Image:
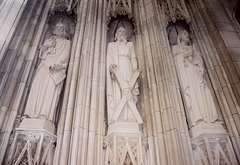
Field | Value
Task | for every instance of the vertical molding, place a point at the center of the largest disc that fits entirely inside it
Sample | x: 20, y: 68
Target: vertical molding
x: 30, y: 48
x: 70, y: 112
x: 65, y: 123
x: 10, y: 14
x: 214, y: 55
x: 150, y: 97
x: 81, y: 116
x: 93, y: 106
x: 170, y: 89
x: 169, y: 130
x: 100, y: 130
x: 6, y: 98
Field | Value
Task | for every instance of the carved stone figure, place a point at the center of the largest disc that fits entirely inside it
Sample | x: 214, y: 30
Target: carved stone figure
x: 50, y: 74
x: 189, y: 64
x: 122, y: 74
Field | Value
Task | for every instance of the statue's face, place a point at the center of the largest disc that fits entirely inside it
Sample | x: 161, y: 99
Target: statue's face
x: 121, y: 35
x: 59, y: 29
x: 185, y: 36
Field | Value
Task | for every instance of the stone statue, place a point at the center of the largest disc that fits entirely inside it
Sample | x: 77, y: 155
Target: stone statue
x: 50, y: 74
x: 122, y: 86
x: 190, y: 69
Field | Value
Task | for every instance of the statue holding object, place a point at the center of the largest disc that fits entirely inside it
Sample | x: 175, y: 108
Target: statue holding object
x: 190, y: 69
x: 50, y: 75
x: 122, y: 86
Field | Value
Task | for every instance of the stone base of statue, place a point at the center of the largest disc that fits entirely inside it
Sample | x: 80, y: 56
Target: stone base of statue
x: 211, y: 145
x: 125, y: 146
x: 124, y: 127
x: 37, y: 124
x: 206, y: 128
x: 33, y: 143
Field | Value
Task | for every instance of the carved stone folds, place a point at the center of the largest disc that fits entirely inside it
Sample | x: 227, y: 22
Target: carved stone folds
x: 213, y: 149
x: 33, y: 147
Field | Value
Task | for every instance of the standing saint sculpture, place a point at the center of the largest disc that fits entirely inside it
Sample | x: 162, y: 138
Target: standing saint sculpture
x: 50, y: 75
x: 190, y: 69
x: 122, y: 86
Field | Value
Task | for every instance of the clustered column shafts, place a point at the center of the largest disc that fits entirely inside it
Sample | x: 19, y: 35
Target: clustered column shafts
x: 82, y: 128
x: 65, y: 123
x: 82, y: 106
x: 211, y: 43
x: 166, y: 135
x: 15, y: 54
x: 7, y: 32
x: 64, y: 155
x: 29, y: 47
x: 96, y: 114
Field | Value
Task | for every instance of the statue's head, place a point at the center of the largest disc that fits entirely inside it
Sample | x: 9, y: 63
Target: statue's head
x: 183, y: 37
x: 59, y: 29
x: 121, y: 34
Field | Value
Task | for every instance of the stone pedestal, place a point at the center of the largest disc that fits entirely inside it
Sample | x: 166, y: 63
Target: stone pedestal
x: 212, y: 146
x: 33, y: 143
x: 125, y: 144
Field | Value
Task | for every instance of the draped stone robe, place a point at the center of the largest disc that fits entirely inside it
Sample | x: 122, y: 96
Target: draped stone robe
x: 47, y: 83
x: 198, y: 98
x: 123, y: 56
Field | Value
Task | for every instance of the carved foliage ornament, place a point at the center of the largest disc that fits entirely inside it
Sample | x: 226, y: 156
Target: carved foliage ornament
x: 65, y: 5
x: 119, y: 7
x: 175, y: 10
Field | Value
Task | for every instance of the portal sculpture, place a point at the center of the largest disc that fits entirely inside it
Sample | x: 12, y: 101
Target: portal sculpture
x: 190, y: 69
x: 50, y: 74
x: 122, y: 74
x: 125, y: 144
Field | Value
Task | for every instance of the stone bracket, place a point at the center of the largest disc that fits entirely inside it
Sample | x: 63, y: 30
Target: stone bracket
x: 213, y: 149
x: 119, y: 7
x: 32, y: 147
x: 175, y: 10
x: 125, y: 148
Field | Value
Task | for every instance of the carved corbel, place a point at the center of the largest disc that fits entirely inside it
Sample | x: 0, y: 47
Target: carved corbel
x: 175, y: 10
x: 68, y: 6
x: 119, y: 7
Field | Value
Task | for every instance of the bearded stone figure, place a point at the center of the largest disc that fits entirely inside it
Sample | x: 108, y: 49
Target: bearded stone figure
x: 122, y: 86
x: 190, y: 69
x: 50, y: 75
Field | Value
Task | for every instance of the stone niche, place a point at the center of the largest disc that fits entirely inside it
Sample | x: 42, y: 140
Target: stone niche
x: 125, y: 142
x: 210, y: 141
x: 35, y: 138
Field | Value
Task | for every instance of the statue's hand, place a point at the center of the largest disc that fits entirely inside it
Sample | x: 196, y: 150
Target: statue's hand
x: 113, y: 70
x: 127, y: 93
x: 188, y: 53
x: 201, y: 71
x: 53, y: 42
x: 56, y: 67
x: 190, y: 59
